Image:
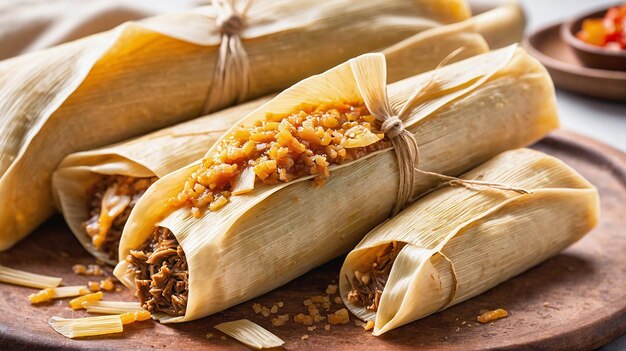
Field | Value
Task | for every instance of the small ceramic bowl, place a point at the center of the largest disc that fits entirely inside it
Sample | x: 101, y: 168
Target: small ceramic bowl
x: 591, y: 55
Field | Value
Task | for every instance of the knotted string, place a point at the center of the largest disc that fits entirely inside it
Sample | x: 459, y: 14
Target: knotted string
x: 407, y: 154
x: 231, y: 75
x: 407, y: 150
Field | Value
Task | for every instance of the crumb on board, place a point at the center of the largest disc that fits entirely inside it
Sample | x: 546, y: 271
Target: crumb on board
x: 368, y: 325
x: 337, y: 300
x: 257, y: 308
x: 280, y: 320
x: 303, y: 319
x: 490, y: 316
x: 274, y: 309
x: 209, y: 336
x: 339, y: 317
x: 311, y: 328
x: 92, y: 269
x: 327, y: 327
x: 331, y: 289
x: 93, y: 286
x: 107, y: 284
x: 265, y: 311
x: 304, y: 337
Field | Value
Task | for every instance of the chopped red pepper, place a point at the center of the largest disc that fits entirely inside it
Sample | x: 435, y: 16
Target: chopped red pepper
x: 608, y: 32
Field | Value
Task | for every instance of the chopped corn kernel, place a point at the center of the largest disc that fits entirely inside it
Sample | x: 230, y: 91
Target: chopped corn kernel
x: 331, y: 289
x: 76, y: 303
x: 46, y: 294
x: 130, y: 317
x: 93, y: 286
x: 490, y: 316
x: 339, y: 317
x: 304, y: 319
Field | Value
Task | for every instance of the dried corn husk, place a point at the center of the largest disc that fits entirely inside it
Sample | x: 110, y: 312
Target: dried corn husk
x: 461, y: 242
x: 503, y: 25
x: 250, y: 334
x: 146, y: 75
x: 165, y: 151
x: 474, y: 110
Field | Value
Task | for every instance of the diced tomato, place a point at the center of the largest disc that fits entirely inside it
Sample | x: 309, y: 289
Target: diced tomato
x: 609, y: 31
x: 593, y: 32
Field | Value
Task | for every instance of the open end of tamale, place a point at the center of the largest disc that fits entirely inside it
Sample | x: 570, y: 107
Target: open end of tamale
x: 280, y: 148
x: 110, y: 200
x: 161, y: 274
x: 368, y: 286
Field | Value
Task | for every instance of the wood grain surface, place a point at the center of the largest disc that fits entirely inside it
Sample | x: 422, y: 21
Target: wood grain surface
x: 576, y: 300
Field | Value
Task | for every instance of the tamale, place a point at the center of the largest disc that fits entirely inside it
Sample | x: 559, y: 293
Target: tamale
x: 142, y: 76
x: 458, y: 242
x: 213, y: 249
x: 502, y: 24
x: 83, y: 178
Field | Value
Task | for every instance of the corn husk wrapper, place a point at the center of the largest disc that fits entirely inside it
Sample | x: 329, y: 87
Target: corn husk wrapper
x: 502, y: 25
x: 142, y: 76
x: 482, y: 106
x: 165, y: 151
x: 461, y: 242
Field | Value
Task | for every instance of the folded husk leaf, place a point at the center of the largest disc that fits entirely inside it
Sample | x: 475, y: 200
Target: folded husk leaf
x: 482, y: 106
x: 461, y: 242
x: 502, y: 25
x: 250, y: 334
x: 142, y: 76
x: 165, y: 151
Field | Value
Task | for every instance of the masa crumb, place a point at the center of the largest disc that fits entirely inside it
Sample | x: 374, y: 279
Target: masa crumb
x: 369, y: 325
x: 331, y: 289
x: 339, y: 317
x: 490, y: 316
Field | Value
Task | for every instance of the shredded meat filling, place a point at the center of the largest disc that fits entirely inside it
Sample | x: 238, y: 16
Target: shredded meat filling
x: 111, y: 199
x: 161, y: 274
x: 367, y: 287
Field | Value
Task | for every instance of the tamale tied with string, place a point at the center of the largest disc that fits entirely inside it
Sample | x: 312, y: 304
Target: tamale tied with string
x: 146, y: 75
x: 96, y: 190
x: 250, y: 207
x: 458, y: 242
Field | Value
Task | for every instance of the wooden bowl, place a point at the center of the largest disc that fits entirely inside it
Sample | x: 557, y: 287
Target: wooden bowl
x: 567, y: 70
x: 591, y: 55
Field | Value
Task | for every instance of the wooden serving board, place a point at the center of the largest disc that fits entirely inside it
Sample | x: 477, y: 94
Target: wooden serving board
x: 574, y: 300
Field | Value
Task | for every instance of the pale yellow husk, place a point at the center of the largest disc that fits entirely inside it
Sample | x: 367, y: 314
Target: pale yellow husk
x: 27, y: 279
x: 461, y: 242
x: 48, y: 294
x: 111, y: 307
x: 250, y: 334
x: 502, y: 25
x: 146, y: 75
x: 89, y: 326
x: 474, y: 110
x: 165, y: 151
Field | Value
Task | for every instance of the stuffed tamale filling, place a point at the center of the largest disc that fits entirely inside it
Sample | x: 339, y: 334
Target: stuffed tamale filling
x: 161, y: 273
x: 368, y: 286
x: 281, y: 148
x: 111, y: 199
